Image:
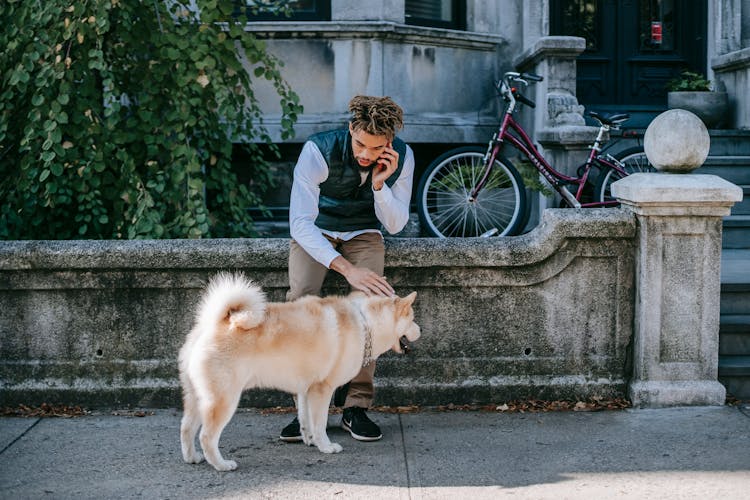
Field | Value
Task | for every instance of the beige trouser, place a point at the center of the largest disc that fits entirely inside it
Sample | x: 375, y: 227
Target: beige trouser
x: 306, y: 277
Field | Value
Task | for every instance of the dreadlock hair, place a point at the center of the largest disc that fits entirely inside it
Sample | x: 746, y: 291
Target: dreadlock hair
x: 376, y: 115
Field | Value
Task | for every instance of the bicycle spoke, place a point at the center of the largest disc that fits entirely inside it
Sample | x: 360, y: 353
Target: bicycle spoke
x: 447, y: 214
x: 444, y: 200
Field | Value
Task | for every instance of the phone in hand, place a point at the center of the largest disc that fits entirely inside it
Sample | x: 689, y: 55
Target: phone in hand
x: 382, y: 160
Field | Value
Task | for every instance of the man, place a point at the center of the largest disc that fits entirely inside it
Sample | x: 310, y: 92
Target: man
x: 347, y: 183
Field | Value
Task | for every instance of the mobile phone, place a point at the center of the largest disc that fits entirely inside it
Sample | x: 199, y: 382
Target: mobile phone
x: 381, y: 163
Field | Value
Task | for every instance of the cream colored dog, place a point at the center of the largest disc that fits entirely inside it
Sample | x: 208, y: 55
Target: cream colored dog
x: 308, y: 347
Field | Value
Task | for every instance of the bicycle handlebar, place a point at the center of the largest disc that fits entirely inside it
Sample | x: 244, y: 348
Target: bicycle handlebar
x: 532, y: 77
x: 512, y: 75
x: 506, y: 87
x: 525, y: 100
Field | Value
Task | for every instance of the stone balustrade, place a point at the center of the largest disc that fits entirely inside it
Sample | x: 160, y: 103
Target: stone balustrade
x: 591, y: 303
x: 548, y: 314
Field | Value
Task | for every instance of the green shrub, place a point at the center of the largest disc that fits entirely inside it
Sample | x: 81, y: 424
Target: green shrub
x: 118, y: 118
x: 689, y: 81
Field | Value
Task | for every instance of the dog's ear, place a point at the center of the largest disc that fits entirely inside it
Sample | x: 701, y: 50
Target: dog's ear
x: 406, y: 302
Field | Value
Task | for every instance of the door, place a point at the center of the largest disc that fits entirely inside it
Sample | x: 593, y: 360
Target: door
x: 633, y: 48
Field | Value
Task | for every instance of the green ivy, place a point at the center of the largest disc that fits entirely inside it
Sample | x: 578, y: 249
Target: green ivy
x: 118, y: 119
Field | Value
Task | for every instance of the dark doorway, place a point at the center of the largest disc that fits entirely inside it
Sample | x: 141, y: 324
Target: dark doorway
x: 633, y: 48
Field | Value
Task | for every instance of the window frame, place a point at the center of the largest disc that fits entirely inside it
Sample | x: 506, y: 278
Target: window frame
x: 320, y: 12
x: 457, y: 22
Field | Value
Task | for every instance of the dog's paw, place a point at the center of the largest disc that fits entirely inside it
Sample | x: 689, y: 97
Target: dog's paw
x: 225, y: 465
x: 307, y: 437
x: 195, y: 458
x: 331, y: 448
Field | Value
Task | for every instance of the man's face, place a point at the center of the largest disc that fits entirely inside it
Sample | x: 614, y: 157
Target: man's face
x: 367, y: 148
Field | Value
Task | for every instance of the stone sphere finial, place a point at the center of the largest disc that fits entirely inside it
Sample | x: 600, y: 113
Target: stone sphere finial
x: 676, y: 141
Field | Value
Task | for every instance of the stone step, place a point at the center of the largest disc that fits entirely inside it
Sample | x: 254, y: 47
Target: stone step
x: 734, y: 373
x: 736, y: 232
x: 734, y: 344
x: 743, y: 207
x: 730, y: 142
x: 735, y: 283
x: 734, y: 366
x: 735, y: 169
x: 735, y: 298
x: 734, y: 335
x: 735, y: 266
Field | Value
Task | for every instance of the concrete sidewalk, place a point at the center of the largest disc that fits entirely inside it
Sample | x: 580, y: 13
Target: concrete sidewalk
x: 701, y: 452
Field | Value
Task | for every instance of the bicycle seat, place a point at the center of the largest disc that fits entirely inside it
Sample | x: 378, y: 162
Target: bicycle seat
x: 609, y: 118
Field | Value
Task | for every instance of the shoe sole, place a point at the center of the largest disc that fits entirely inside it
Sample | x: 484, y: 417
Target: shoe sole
x: 356, y: 436
x: 291, y: 439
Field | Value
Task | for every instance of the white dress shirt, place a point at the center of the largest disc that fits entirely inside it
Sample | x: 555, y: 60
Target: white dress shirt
x: 391, y: 204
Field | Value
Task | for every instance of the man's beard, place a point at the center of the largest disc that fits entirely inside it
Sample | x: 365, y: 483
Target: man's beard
x: 363, y: 167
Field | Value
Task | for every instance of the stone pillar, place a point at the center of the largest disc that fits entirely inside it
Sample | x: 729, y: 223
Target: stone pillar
x: 557, y: 124
x: 679, y: 218
x: 558, y: 121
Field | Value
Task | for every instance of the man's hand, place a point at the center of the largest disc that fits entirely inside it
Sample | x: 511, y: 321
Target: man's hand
x: 385, y: 166
x: 362, y: 279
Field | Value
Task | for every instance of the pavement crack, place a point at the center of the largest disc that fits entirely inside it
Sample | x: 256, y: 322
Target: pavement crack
x: 406, y: 458
x: 20, y: 436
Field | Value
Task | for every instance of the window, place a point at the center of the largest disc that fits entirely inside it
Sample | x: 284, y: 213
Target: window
x: 577, y: 18
x: 301, y: 10
x: 438, y: 13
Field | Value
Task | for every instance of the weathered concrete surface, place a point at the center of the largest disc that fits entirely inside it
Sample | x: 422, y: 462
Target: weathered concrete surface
x: 675, y: 453
x: 676, y: 141
x: 733, y: 72
x: 548, y: 314
x: 678, y: 272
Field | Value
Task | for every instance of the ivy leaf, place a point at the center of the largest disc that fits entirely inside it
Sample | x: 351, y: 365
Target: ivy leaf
x: 102, y: 89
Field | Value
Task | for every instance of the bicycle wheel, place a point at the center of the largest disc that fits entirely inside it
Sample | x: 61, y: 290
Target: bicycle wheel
x: 633, y: 160
x: 443, y: 196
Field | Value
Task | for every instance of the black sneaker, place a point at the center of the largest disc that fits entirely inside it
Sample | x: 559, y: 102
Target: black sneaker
x: 291, y: 433
x: 359, y: 425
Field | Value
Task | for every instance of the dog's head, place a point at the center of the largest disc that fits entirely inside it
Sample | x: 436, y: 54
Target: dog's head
x: 405, y: 325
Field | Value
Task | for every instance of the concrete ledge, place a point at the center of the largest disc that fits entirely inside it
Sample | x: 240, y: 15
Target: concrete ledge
x: 739, y: 59
x: 661, y: 394
x: 548, y: 314
x: 378, y: 30
x: 560, y: 46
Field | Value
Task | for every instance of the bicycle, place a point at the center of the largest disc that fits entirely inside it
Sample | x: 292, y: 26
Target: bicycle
x: 469, y: 192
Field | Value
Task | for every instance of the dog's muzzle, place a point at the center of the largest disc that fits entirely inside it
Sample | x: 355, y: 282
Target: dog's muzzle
x: 404, y: 344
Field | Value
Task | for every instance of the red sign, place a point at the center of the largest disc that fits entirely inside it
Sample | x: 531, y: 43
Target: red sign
x: 656, y: 32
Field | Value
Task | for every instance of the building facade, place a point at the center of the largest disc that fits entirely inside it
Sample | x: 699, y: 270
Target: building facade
x: 440, y: 58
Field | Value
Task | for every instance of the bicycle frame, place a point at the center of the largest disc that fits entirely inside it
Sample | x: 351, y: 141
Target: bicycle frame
x: 520, y: 140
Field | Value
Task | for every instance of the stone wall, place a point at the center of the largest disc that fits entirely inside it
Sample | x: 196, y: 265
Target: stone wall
x: 329, y: 63
x: 548, y: 314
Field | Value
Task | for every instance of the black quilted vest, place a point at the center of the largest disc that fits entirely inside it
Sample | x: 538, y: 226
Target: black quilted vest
x: 345, y: 205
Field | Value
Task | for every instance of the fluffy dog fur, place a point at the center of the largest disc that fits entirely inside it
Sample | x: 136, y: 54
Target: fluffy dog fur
x: 307, y: 347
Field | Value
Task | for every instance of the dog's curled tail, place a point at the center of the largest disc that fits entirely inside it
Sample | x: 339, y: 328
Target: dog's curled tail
x: 233, y: 297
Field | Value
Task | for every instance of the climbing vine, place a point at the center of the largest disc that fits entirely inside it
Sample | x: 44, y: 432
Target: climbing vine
x: 118, y: 118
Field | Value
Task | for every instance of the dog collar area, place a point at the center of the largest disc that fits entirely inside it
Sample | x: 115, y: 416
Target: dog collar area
x: 367, y: 357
